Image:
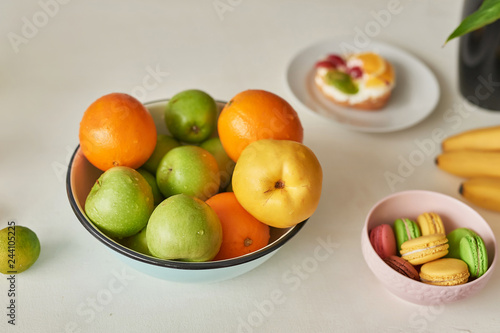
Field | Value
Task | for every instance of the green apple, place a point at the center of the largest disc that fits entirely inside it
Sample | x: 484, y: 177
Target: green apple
x: 151, y: 179
x: 137, y: 242
x: 225, y: 163
x: 191, y: 116
x: 184, y: 228
x: 19, y: 249
x: 164, y: 143
x: 120, y: 202
x: 190, y: 170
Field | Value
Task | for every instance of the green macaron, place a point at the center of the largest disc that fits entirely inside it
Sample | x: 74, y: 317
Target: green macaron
x: 465, y: 244
x: 454, y: 238
x: 404, y: 230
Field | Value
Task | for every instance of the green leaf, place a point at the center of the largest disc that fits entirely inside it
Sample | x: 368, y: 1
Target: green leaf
x: 488, y: 13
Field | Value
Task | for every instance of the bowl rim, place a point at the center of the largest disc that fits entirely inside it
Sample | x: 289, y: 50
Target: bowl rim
x: 470, y: 284
x: 131, y: 254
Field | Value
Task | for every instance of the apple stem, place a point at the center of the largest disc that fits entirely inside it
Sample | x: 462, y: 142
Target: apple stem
x: 195, y: 129
x: 279, y: 184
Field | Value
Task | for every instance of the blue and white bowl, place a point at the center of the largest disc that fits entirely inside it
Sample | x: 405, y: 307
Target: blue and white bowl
x: 82, y: 175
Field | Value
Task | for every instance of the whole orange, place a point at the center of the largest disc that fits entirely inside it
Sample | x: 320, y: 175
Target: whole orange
x: 253, y: 115
x: 241, y: 232
x: 117, y: 130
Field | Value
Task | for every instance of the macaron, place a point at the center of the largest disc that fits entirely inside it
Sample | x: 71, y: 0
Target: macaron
x: 465, y: 244
x: 402, y: 267
x: 423, y: 249
x: 454, y: 238
x: 383, y: 240
x: 430, y: 223
x: 444, y: 272
x: 404, y: 230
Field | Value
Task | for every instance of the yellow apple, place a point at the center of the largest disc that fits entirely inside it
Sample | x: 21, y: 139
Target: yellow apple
x: 278, y: 182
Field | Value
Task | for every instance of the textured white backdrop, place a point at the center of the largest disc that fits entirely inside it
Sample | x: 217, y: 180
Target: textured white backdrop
x: 85, y: 49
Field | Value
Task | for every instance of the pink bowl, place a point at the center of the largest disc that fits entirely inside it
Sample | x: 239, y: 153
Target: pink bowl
x: 455, y: 214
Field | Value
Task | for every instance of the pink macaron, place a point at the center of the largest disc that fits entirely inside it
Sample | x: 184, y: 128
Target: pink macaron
x: 383, y: 240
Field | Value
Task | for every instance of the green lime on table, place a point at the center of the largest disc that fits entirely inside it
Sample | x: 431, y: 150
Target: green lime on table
x: 19, y: 249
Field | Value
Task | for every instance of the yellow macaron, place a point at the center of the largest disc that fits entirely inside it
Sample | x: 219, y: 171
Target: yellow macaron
x: 445, y: 272
x: 430, y: 223
x: 423, y: 249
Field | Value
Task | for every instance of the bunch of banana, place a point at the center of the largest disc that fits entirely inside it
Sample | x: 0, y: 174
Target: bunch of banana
x: 475, y: 154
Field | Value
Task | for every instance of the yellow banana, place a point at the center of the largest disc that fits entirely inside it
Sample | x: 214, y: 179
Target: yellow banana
x: 483, y: 192
x: 468, y: 163
x: 487, y: 138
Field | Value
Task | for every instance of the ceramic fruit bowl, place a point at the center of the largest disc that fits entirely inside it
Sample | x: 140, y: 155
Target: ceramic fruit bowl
x: 455, y: 214
x: 81, y: 177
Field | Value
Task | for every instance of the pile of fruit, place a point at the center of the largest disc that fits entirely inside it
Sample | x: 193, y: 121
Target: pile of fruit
x: 213, y: 188
x: 475, y: 155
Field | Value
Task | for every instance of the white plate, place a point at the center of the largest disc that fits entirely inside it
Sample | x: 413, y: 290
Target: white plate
x: 414, y: 97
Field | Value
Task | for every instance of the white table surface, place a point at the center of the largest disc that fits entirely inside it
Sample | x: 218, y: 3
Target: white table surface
x: 85, y: 49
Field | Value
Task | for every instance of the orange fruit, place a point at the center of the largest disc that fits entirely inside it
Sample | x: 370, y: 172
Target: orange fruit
x: 117, y: 130
x: 373, y: 64
x: 383, y: 79
x: 253, y: 115
x: 241, y: 232
x: 388, y: 75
